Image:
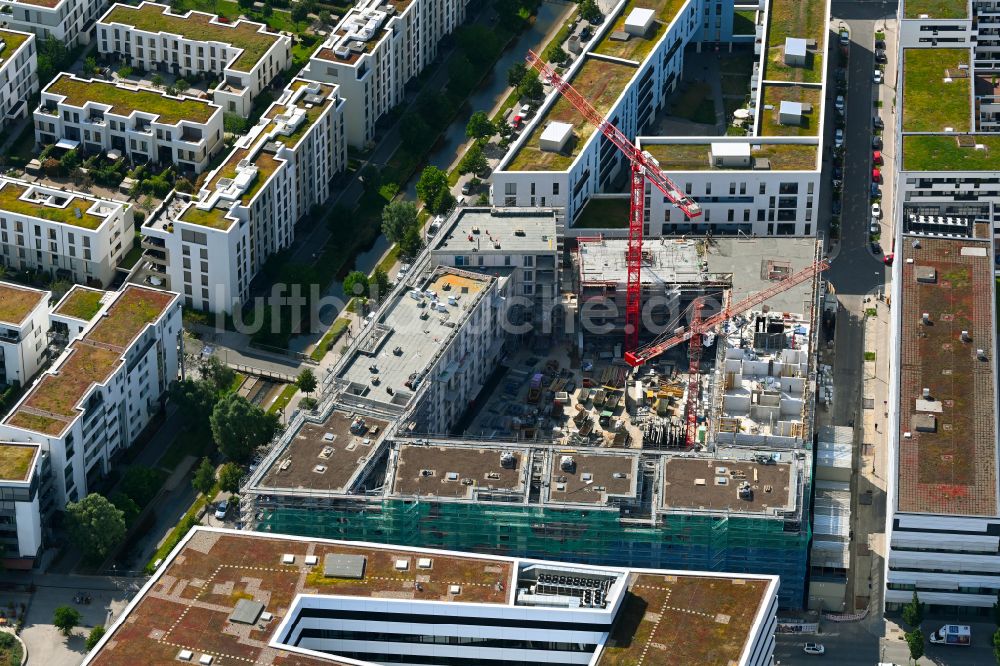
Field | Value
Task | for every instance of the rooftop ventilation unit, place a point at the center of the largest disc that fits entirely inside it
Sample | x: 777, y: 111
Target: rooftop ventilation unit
x: 927, y: 393
x: 567, y: 464
x: 507, y: 460
x: 926, y: 318
x: 966, y: 337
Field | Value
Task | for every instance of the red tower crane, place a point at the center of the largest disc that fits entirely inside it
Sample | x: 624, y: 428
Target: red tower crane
x: 644, y: 166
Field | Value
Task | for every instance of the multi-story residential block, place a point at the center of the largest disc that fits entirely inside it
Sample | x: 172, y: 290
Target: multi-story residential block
x: 103, y: 390
x: 375, y: 50
x: 25, y: 484
x: 69, y: 235
x: 320, y: 602
x: 24, y: 323
x: 766, y: 182
x: 18, y: 73
x: 67, y: 21
x: 210, y: 247
x: 244, y: 55
x: 146, y: 125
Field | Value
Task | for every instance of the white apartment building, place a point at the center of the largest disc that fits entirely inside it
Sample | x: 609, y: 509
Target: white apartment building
x: 69, y: 235
x: 146, y: 125
x: 68, y: 21
x: 209, y: 248
x: 26, y: 491
x: 103, y: 390
x: 18, y: 73
x: 24, y: 323
x: 375, y: 50
x: 244, y: 55
x: 765, y: 183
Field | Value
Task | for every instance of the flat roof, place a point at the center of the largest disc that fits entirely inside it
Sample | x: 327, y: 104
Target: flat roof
x: 698, y: 156
x: 125, y: 100
x: 951, y: 469
x: 750, y: 261
x: 637, y: 47
x: 49, y: 407
x: 937, y: 90
x: 665, y: 260
x: 802, y: 19
x: 81, y: 303
x: 325, y: 456
x: 697, y: 483
x: 948, y: 152
x: 593, y: 477
x: 17, y: 302
x: 518, y: 230
x: 17, y: 460
x: 400, y: 326
x: 602, y: 82
x: 441, y: 471
x: 54, y: 205
x: 936, y: 9
x: 12, y: 41
x: 252, y: 38
x: 774, y: 95
x: 665, y: 617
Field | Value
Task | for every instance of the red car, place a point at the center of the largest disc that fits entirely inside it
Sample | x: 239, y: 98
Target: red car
x: 876, y: 176
x: 877, y: 156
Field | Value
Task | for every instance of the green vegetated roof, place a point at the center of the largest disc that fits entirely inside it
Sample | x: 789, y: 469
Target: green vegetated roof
x: 938, y: 9
x: 245, y: 35
x: 12, y: 42
x: 930, y: 104
x: 602, y: 83
x: 803, y: 19
x: 943, y: 152
x: 81, y: 303
x: 128, y: 315
x: 215, y: 218
x: 697, y: 156
x: 16, y: 302
x: 774, y: 95
x: 15, y: 461
x: 123, y: 101
x: 10, y: 201
x: 637, y: 48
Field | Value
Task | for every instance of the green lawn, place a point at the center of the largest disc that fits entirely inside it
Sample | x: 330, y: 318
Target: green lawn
x: 329, y: 339
x: 123, y: 101
x: 938, y: 9
x: 774, y: 95
x: 930, y: 104
x: 928, y: 152
x: 804, y: 19
x: 283, y: 399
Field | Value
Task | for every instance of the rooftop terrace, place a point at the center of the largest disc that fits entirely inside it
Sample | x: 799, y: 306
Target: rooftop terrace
x: 713, y: 484
x: 774, y: 95
x: 49, y: 407
x: 125, y: 101
x: 17, y: 302
x: 252, y: 38
x: 637, y: 47
x: 936, y: 152
x: 12, y: 41
x: 698, y: 156
x: 802, y: 19
x: 600, y: 81
x: 947, y: 439
x: 325, y: 456
x: 937, y: 9
x: 16, y: 461
x: 81, y: 303
x: 53, y: 205
x: 937, y: 90
x: 456, y: 472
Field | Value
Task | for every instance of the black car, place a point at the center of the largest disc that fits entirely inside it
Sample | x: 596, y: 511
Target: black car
x: 877, y: 122
x: 880, y: 44
x: 877, y: 142
x: 835, y: 208
x: 838, y: 173
x: 876, y: 248
x: 880, y: 56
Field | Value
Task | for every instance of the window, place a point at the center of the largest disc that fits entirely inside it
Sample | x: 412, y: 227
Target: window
x: 510, y: 189
x: 555, y: 189
x: 529, y: 260
x: 763, y: 188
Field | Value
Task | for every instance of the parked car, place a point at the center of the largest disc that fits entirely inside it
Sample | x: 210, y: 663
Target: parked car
x: 877, y: 157
x: 839, y: 103
x: 880, y: 44
x: 838, y: 138
x: 836, y: 207
x: 467, y: 187
x: 814, y: 648
x: 875, y: 193
x: 887, y: 260
x: 845, y: 37
x: 877, y: 122
x: 221, y: 509
x: 876, y: 176
x: 880, y: 56
x: 877, y: 76
x: 874, y: 227
x: 876, y: 211
x: 876, y: 248
x: 876, y: 142
x: 838, y: 173
x: 525, y: 110
x: 403, y: 270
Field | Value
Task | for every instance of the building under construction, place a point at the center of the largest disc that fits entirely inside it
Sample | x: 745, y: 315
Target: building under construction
x: 564, y: 451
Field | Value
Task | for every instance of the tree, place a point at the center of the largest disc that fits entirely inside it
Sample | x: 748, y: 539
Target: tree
x: 480, y: 126
x: 217, y: 374
x: 590, y: 12
x: 157, y: 81
x: 204, y: 477
x: 66, y: 619
x: 306, y: 381
x: 913, y: 612
x: 89, y: 67
x: 530, y: 87
x: 196, y: 399
x: 432, y: 189
x: 397, y: 217
x: 915, y: 641
x: 299, y: 12
x: 413, y: 131
x: 94, y: 637
x: 371, y: 177
x: 325, y: 17
x: 245, y: 4
x: 461, y: 73
x: 141, y: 483
x: 474, y: 160
x: 516, y: 74
x: 130, y: 510
x: 558, y: 56
x: 381, y: 281
x: 95, y: 525
x: 230, y: 476
x: 356, y: 284
x: 240, y: 427
x: 411, y: 243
